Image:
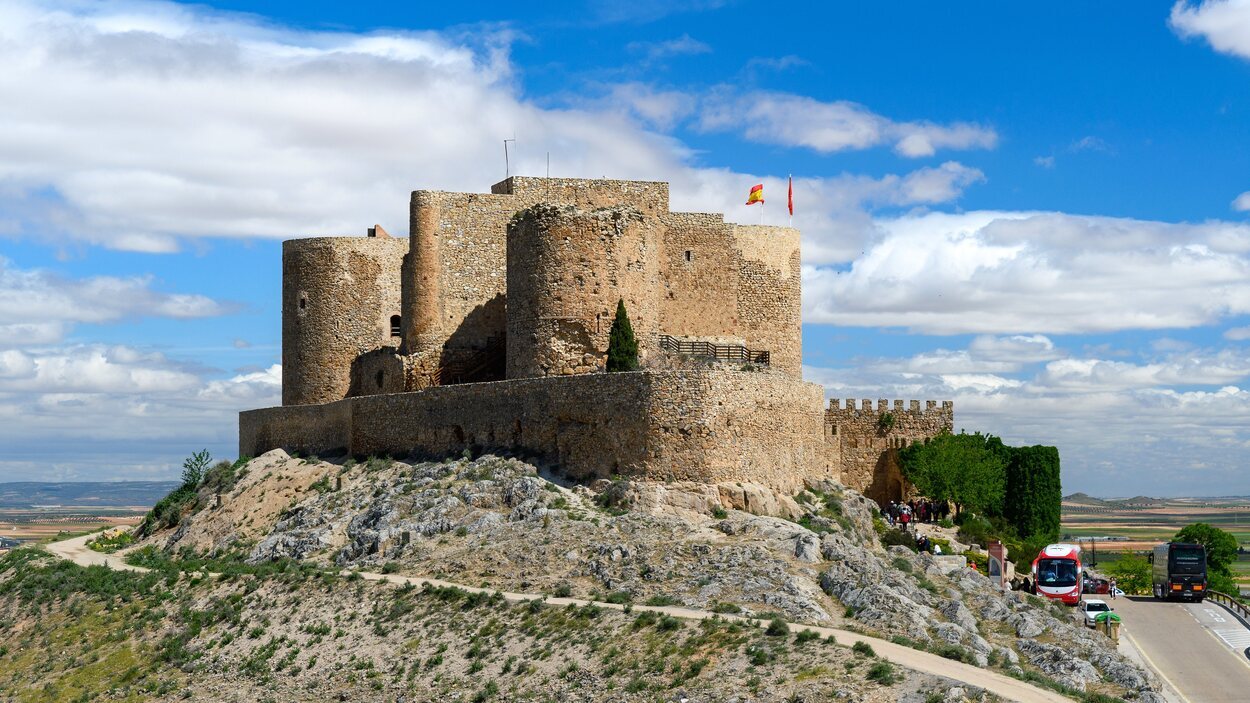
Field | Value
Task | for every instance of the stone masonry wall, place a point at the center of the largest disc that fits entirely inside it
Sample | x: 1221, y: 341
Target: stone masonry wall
x: 770, y: 293
x: 454, y: 300
x: 708, y: 426
x: 867, y: 446
x: 700, y: 294
x: 338, y: 296
x: 734, y: 284
x: 567, y: 268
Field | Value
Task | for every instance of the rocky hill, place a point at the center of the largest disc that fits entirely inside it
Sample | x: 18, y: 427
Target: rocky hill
x: 283, y: 623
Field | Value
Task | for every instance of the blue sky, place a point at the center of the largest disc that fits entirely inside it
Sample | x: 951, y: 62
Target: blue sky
x: 1038, y: 212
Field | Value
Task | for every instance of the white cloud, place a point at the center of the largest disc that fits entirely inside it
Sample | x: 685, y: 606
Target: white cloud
x: 1116, y: 424
x: 1044, y: 161
x: 685, y: 45
x: 827, y: 127
x: 39, y: 307
x: 152, y: 122
x: 660, y: 108
x: 1002, y: 272
x: 1237, y: 334
x: 1017, y: 348
x: 87, y: 411
x: 1094, y: 375
x: 1242, y: 202
x: 1225, y: 24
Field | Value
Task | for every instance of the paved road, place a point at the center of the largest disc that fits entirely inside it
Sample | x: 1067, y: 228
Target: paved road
x: 76, y: 550
x: 1198, y: 649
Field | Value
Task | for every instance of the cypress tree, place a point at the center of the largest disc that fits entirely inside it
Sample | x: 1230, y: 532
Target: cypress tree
x: 1034, y: 491
x: 622, y: 346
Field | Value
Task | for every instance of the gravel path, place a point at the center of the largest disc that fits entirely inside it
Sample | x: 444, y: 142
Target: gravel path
x: 76, y: 550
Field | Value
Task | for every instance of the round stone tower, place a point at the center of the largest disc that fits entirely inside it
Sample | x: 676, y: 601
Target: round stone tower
x: 567, y: 268
x: 340, y: 299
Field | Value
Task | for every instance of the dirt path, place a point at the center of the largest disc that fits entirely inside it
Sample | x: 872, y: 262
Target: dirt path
x: 76, y: 550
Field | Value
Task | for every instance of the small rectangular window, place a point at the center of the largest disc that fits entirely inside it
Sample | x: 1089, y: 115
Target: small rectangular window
x: 689, y: 256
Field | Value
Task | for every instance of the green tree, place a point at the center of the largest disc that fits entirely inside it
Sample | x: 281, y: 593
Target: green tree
x: 1131, y: 572
x: 622, y: 346
x: 1221, y: 546
x: 965, y: 469
x: 1033, y: 496
x: 193, y: 468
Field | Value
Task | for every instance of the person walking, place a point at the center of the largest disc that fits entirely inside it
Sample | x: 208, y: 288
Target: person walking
x: 1111, y: 588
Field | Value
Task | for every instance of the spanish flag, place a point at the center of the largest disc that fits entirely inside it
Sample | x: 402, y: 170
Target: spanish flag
x: 756, y: 195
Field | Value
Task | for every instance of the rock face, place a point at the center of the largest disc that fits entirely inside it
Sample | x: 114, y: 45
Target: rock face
x: 814, y: 557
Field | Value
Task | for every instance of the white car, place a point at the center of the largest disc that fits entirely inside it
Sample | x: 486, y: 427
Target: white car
x: 1090, y: 609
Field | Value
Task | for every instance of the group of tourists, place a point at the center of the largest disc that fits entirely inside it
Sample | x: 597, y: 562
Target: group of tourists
x: 900, y: 514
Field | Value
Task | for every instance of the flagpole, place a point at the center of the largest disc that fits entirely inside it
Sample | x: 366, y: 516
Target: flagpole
x: 789, y: 200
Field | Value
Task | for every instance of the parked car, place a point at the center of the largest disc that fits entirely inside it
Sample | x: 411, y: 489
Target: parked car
x: 1090, y: 609
x: 1095, y: 585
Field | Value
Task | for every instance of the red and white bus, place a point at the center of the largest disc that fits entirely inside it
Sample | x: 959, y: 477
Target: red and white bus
x: 1057, y: 573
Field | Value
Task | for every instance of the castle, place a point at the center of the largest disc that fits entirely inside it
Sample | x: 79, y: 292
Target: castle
x: 487, y: 329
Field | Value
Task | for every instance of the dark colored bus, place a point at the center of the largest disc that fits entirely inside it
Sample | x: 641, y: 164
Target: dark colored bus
x: 1180, y: 571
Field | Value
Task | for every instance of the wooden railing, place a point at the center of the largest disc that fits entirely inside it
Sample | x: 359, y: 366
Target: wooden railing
x: 734, y: 353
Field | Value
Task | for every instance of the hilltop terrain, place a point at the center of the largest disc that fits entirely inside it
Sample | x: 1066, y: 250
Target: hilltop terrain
x: 283, y: 625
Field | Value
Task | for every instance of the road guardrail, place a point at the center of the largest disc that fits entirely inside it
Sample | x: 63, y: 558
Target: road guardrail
x: 1231, y: 603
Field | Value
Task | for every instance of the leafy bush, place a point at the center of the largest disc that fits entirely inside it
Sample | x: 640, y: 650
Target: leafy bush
x: 777, y: 627
x: 168, y: 511
x: 883, y: 673
x: 900, y: 537
x: 805, y: 636
x: 224, y: 475
x: 864, y: 648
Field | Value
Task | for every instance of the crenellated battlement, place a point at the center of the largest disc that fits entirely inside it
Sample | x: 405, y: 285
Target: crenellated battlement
x: 944, y: 407
x: 866, y: 438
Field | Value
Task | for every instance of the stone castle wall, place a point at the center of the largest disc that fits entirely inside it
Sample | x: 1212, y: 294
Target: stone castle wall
x: 866, y: 446
x: 567, y: 269
x: 708, y: 426
x: 338, y: 295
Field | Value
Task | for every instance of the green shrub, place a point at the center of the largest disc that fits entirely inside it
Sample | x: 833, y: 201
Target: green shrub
x: 777, y: 627
x: 864, y: 648
x: 883, y: 673
x: 658, y: 601
x: 619, y: 597
x: 805, y: 636
x: 719, y: 513
x: 899, y: 537
x: 668, y: 623
x: 953, y: 651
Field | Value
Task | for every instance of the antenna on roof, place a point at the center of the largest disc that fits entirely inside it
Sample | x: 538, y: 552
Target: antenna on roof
x: 507, y: 165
